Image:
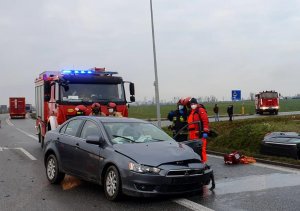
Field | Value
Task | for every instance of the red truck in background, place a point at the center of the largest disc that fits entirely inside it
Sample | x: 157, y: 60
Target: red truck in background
x: 267, y: 101
x: 57, y: 93
x: 17, y: 107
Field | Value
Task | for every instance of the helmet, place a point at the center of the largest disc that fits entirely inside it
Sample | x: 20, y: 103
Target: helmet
x: 186, y: 101
x: 96, y: 105
x: 193, y: 101
x: 80, y: 110
x: 111, y: 105
x: 181, y: 101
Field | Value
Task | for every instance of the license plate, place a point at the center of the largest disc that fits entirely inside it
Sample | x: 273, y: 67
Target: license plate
x: 185, y: 180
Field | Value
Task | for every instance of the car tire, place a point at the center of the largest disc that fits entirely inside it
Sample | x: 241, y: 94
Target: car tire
x: 112, y: 184
x: 52, y: 170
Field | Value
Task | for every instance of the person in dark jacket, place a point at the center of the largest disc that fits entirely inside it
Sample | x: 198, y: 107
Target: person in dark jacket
x: 179, y: 119
x: 230, y: 112
x: 216, y: 111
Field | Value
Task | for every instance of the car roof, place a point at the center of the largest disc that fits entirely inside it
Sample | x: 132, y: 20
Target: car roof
x: 111, y: 119
x: 283, y: 135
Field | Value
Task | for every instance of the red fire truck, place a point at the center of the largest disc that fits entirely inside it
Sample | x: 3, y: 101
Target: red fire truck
x: 17, y: 107
x: 267, y: 101
x: 57, y: 93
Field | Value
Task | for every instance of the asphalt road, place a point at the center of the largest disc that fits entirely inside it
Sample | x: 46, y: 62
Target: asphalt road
x: 23, y: 183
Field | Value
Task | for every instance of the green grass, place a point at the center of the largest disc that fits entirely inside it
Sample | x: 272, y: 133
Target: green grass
x: 149, y: 111
x: 246, y: 135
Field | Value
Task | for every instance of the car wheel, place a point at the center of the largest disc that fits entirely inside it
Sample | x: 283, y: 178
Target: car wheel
x: 112, y: 184
x: 52, y: 171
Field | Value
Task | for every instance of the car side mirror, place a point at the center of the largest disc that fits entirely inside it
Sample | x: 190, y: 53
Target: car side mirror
x: 131, y: 89
x: 97, y: 140
x: 132, y: 98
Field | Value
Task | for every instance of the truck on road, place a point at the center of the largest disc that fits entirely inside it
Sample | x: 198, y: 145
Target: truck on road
x: 267, y: 101
x: 17, y: 107
x: 58, y: 93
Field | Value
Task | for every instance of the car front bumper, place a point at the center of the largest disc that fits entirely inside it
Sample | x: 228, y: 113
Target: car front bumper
x: 145, y: 185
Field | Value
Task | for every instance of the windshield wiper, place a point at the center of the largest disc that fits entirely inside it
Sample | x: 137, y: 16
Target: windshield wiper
x: 156, y: 139
x: 124, y: 138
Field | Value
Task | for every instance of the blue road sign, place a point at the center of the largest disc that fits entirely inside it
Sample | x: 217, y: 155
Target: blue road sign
x: 236, y: 95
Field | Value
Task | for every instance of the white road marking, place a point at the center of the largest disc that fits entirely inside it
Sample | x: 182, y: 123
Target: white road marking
x: 279, y: 168
x: 191, y: 205
x: 28, y: 134
x: 31, y: 157
x: 27, y: 153
x: 9, y: 122
x: 22, y: 131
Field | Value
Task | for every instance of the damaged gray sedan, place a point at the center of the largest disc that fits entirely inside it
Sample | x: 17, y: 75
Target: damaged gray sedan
x: 125, y: 155
x: 285, y: 144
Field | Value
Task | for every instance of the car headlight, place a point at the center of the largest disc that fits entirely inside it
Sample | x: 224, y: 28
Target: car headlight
x: 142, y: 168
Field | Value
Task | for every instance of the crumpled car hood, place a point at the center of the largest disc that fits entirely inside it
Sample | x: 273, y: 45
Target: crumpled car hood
x: 156, y: 153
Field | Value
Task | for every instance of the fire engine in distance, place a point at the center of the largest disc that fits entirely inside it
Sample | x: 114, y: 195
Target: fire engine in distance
x: 267, y: 101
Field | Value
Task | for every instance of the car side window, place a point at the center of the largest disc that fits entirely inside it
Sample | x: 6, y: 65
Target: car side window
x: 73, y: 127
x: 89, y: 129
x: 63, y: 129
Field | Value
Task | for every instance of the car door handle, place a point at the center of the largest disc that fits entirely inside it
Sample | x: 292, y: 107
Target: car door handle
x: 77, y: 144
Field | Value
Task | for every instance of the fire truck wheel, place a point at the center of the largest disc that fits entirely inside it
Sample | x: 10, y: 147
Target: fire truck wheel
x: 42, y: 142
x: 40, y: 137
x: 52, y: 171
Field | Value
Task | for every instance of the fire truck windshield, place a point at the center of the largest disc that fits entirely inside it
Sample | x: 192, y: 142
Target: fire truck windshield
x: 93, y: 93
x: 269, y: 95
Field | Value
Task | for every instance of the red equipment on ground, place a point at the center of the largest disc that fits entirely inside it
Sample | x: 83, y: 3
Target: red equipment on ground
x: 235, y: 158
x: 232, y: 158
x: 267, y: 101
x: 58, y: 93
x: 17, y: 107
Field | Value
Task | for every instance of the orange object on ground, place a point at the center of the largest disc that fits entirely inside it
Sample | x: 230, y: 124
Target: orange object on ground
x: 247, y: 160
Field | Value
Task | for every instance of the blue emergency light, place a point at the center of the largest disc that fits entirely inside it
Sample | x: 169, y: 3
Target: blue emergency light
x: 85, y: 72
x: 73, y: 72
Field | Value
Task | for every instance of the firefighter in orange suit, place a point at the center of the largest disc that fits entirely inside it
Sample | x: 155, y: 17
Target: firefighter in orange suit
x: 199, y: 129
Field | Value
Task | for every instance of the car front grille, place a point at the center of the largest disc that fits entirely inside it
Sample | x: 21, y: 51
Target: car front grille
x: 181, y: 187
x: 185, y: 172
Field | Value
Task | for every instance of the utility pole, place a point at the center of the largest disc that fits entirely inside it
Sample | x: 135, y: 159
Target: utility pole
x: 155, y: 71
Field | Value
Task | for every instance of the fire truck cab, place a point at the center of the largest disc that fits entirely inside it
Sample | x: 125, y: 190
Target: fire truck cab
x: 57, y: 93
x: 267, y: 101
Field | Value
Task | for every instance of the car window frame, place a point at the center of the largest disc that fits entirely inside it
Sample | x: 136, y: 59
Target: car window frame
x: 78, y: 130
x: 63, y: 127
x: 82, y: 126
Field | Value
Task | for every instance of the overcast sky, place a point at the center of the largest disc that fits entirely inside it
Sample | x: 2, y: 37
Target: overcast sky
x: 203, y: 47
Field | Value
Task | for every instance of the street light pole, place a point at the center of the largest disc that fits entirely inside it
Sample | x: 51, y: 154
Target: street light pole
x: 155, y: 71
